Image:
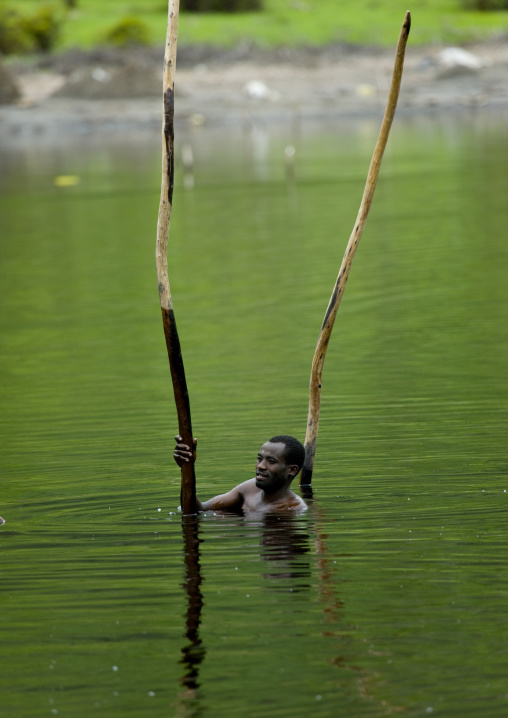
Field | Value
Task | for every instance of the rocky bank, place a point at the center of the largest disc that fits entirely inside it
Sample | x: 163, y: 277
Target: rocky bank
x: 110, y: 90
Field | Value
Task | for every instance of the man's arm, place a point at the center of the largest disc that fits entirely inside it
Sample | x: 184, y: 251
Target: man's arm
x: 231, y: 501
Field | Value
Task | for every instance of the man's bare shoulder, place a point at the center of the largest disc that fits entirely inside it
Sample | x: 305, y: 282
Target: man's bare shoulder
x: 247, y: 488
x: 296, y: 503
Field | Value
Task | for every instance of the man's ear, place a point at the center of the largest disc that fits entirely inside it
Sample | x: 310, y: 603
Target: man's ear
x: 294, y: 470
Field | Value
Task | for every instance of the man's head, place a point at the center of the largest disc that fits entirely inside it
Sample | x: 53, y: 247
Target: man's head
x: 294, y: 453
x: 278, y: 462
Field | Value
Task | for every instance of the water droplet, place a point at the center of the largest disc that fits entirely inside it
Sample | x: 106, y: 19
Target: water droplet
x: 318, y: 698
x: 159, y: 509
x: 115, y: 668
x: 151, y: 693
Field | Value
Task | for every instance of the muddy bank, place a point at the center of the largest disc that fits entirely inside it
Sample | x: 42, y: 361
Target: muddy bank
x: 108, y: 90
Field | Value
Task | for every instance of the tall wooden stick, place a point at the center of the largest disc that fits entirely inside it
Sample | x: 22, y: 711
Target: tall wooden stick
x: 340, y: 284
x: 188, y: 487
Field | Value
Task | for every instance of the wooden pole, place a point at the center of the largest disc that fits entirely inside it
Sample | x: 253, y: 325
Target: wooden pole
x: 340, y: 284
x: 188, y: 487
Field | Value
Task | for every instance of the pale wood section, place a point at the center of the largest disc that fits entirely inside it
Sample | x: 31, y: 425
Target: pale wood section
x: 340, y: 284
x: 161, y: 250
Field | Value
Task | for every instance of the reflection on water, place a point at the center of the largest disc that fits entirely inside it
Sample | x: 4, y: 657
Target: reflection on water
x: 194, y: 652
x: 389, y: 593
x: 284, y: 541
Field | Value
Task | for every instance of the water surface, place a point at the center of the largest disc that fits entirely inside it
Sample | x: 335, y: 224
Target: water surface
x: 389, y: 595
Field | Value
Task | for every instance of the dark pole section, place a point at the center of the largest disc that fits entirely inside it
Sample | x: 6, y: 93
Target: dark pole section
x: 188, y: 490
x: 194, y: 652
x: 169, y: 139
x: 307, y: 492
x: 306, y: 475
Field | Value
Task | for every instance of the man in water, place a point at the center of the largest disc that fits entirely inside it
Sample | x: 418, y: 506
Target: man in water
x: 278, y: 462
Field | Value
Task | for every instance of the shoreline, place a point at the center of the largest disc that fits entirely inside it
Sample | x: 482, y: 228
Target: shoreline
x: 112, y: 91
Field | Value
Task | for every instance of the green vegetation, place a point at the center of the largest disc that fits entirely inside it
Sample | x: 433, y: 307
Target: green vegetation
x: 129, y: 31
x: 285, y: 22
x: 37, y: 29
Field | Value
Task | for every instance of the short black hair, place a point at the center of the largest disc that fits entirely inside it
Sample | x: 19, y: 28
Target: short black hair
x: 294, y: 453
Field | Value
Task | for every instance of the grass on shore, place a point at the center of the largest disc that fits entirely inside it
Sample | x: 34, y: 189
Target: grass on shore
x: 287, y: 22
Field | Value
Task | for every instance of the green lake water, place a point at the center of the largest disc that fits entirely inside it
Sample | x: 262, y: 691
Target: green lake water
x: 390, y: 594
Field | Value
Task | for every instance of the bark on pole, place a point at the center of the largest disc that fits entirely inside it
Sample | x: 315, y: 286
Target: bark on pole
x: 188, y: 490
x: 340, y: 284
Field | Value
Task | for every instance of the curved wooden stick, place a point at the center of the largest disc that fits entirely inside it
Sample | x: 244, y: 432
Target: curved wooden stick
x: 188, y: 490
x: 340, y: 284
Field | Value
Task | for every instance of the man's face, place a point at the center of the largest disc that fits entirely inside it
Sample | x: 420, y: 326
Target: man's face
x: 271, y: 468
